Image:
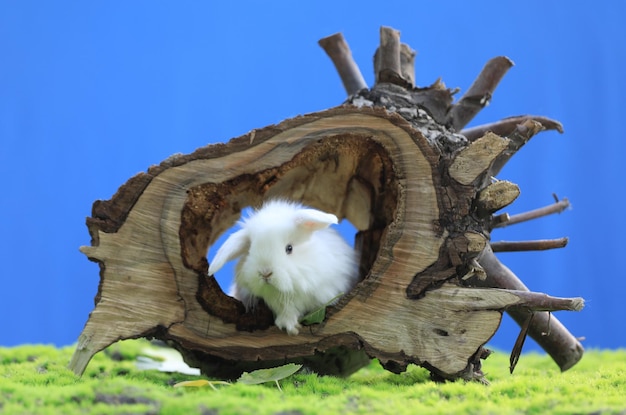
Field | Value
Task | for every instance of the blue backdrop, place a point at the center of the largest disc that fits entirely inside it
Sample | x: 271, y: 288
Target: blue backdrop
x: 93, y: 92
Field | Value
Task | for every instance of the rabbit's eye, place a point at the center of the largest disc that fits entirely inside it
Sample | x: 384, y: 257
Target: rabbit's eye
x: 289, y: 249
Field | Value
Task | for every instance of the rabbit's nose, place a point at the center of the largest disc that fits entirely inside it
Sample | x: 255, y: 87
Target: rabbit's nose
x: 265, y: 274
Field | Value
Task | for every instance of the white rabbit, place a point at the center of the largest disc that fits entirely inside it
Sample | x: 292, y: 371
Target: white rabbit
x: 291, y: 259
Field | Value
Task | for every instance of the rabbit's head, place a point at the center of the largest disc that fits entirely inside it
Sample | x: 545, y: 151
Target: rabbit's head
x: 276, y: 245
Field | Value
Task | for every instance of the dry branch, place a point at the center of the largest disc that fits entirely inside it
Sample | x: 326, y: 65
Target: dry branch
x: 339, y: 52
x: 388, y: 60
x: 532, y: 301
x: 479, y: 94
x: 506, y: 126
x: 407, y: 64
x: 538, y: 245
x: 557, y: 207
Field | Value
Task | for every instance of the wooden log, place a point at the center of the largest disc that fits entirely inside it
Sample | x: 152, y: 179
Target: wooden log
x: 348, y: 161
x: 420, y: 196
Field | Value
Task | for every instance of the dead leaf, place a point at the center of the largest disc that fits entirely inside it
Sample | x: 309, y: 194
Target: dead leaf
x: 273, y: 374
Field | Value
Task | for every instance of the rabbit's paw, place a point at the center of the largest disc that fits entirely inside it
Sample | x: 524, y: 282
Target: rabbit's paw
x: 288, y: 323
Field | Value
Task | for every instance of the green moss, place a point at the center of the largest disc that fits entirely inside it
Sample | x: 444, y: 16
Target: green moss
x: 35, y: 379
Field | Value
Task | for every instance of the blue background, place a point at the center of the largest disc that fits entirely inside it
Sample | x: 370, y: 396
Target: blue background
x: 93, y: 92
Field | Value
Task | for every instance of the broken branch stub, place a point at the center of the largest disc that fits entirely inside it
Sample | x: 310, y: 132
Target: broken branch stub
x: 339, y: 53
x: 479, y: 93
x: 418, y: 195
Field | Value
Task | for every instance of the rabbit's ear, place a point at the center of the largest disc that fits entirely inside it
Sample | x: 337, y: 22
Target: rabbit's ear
x: 312, y: 220
x: 235, y: 246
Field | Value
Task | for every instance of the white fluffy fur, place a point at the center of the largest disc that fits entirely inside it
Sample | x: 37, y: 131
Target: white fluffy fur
x: 320, y: 267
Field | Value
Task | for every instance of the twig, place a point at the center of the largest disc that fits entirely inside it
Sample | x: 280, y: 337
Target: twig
x: 531, y: 301
x: 557, y: 207
x: 506, y: 126
x: 338, y: 50
x: 547, y: 331
x: 538, y: 245
x: 479, y: 94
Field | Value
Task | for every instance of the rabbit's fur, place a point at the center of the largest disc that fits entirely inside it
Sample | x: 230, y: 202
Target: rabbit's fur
x: 289, y: 257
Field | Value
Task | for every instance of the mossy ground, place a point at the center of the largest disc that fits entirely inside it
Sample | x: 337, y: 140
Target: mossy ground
x: 35, y: 380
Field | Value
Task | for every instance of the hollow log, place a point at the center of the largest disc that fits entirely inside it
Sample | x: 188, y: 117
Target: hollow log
x: 420, y: 196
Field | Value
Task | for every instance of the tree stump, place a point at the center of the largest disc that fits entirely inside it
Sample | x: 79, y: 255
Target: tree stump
x: 395, y: 162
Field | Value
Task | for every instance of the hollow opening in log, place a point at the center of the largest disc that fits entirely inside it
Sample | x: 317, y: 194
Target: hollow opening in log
x: 349, y: 175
